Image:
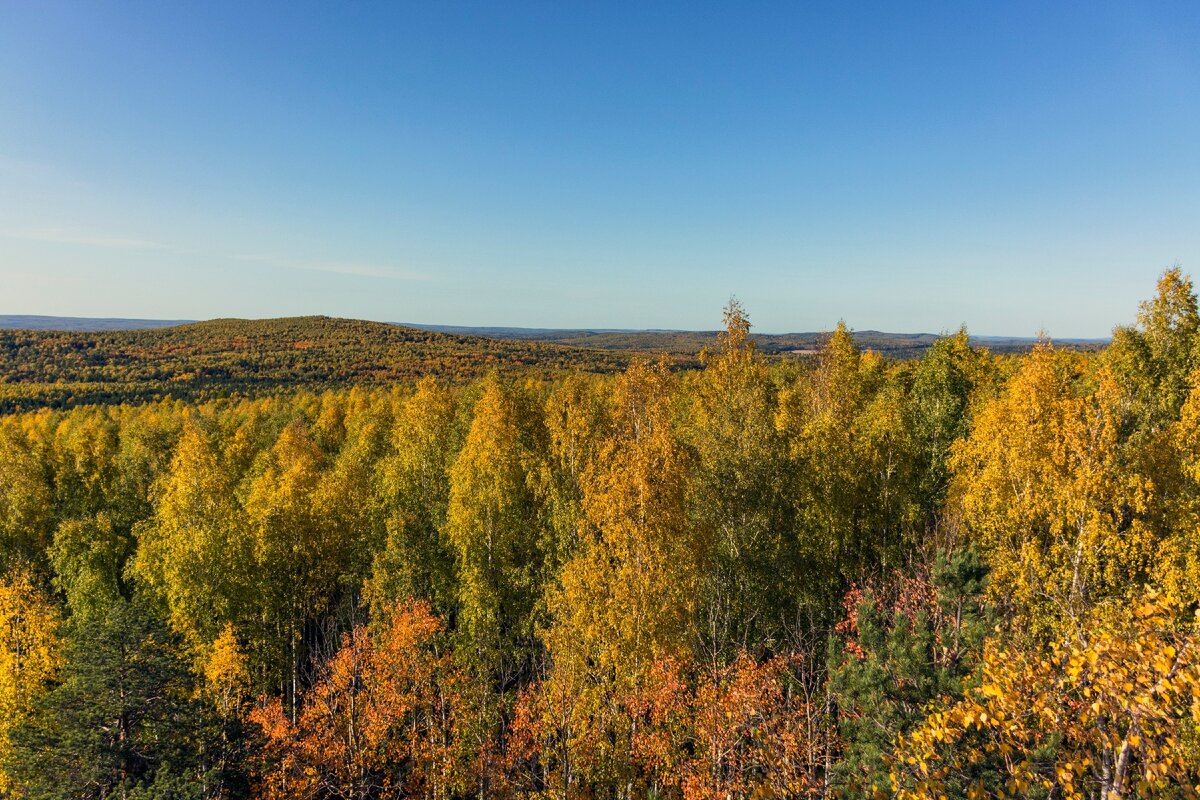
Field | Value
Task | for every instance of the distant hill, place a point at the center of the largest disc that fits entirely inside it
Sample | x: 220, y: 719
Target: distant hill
x: 33, y: 322
x: 676, y: 342
x: 690, y: 343
x: 234, y: 356
x: 660, y: 339
x: 70, y: 361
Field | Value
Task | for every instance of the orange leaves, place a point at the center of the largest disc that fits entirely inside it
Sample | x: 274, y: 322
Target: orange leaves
x: 755, y: 733
x: 383, y: 720
x: 742, y: 731
x: 694, y: 732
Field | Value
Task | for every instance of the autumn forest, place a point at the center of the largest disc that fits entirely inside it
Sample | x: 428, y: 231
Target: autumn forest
x: 567, y: 574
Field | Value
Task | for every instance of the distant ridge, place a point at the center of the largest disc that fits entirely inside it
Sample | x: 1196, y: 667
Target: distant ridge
x: 58, y: 366
x: 503, y: 332
x: 679, y: 342
x: 36, y: 322
x: 683, y: 342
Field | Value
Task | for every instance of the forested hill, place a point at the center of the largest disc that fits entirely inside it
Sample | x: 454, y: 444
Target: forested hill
x: 227, y: 356
x: 672, y: 342
x: 86, y: 362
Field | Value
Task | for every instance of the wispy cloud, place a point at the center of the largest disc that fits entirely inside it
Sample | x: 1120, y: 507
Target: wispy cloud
x: 61, y: 236
x: 365, y: 270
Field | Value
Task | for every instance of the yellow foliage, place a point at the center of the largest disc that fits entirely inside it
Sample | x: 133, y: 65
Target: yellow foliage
x: 193, y: 551
x: 226, y: 674
x: 30, y: 651
x: 631, y: 591
x: 1043, y: 486
x: 25, y: 501
x: 1103, y: 714
x: 490, y: 521
x: 627, y: 597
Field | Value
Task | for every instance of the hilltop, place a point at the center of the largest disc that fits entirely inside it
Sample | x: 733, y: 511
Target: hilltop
x: 234, y: 356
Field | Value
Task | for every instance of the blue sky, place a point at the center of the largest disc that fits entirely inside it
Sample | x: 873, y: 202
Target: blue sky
x: 907, y: 167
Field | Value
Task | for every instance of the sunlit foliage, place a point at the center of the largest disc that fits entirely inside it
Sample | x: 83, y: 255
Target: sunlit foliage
x: 830, y: 575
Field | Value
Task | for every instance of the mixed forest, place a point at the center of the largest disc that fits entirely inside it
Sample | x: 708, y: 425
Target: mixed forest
x: 966, y: 574
x: 225, y: 358
x: 72, y: 365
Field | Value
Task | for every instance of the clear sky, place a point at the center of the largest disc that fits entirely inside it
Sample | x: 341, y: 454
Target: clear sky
x: 904, y: 166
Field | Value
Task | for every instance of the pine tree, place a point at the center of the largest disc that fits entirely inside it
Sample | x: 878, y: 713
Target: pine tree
x: 902, y: 645
x: 120, y: 721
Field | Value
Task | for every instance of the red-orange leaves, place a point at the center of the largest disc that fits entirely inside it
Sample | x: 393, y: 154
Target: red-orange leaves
x: 743, y: 731
x: 382, y: 721
x: 695, y: 732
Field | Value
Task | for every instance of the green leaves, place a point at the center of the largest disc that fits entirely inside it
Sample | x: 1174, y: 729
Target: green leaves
x: 120, y: 716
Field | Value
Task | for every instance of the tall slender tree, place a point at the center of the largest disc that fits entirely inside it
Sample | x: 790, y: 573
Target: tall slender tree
x: 738, y: 493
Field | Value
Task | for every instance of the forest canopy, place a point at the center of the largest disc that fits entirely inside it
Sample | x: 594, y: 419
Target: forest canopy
x: 236, y: 357
x: 506, y: 570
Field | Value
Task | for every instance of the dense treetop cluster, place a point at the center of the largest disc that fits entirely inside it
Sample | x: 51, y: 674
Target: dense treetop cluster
x: 963, y: 575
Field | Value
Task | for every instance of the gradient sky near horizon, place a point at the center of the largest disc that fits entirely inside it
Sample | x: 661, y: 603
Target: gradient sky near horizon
x: 908, y: 167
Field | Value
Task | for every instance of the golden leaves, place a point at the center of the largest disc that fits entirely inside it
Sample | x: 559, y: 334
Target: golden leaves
x: 30, y: 650
x: 1105, y: 714
x: 1044, y: 485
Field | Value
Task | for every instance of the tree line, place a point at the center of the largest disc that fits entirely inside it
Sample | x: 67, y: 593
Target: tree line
x: 964, y: 575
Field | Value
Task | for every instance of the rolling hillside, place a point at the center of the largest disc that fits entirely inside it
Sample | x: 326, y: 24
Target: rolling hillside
x: 672, y: 342
x: 231, y: 356
x: 95, y: 361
